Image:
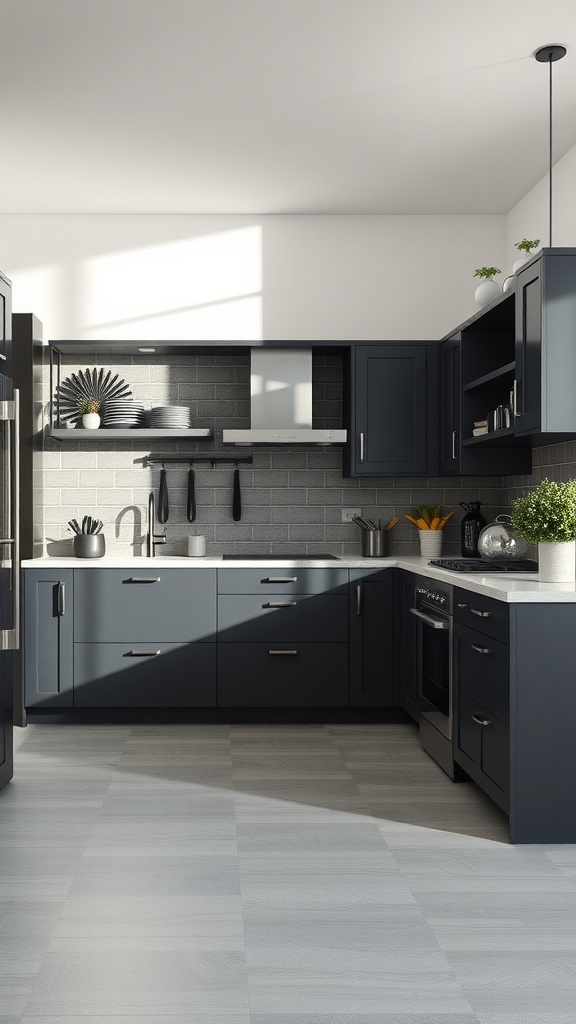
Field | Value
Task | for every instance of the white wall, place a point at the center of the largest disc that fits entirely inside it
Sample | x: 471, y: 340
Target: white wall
x: 529, y: 218
x: 292, y: 277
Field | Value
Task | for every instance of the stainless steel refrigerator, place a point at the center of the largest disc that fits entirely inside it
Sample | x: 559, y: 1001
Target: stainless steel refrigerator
x: 9, y: 531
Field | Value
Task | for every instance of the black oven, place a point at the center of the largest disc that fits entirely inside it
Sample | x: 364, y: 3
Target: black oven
x: 433, y: 609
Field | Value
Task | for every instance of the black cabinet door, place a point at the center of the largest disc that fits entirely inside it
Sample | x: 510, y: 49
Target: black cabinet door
x: 48, y: 638
x: 529, y: 350
x: 6, y: 760
x: 450, y: 406
x: 406, y: 645
x: 371, y: 639
x: 5, y: 325
x: 389, y: 411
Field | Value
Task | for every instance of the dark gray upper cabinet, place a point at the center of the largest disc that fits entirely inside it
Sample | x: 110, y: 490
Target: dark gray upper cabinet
x: 545, y: 349
x: 391, y: 406
x: 450, y: 406
x: 371, y: 611
x: 48, y: 638
x: 5, y: 326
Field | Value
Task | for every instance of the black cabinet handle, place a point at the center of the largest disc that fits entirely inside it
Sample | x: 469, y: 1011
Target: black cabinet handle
x: 362, y: 447
x: 61, y: 598
x: 143, y: 654
x: 480, y: 721
x: 482, y: 615
x: 461, y: 605
x: 481, y: 650
x: 359, y: 599
x: 281, y: 604
x: 282, y: 652
x: 454, y: 452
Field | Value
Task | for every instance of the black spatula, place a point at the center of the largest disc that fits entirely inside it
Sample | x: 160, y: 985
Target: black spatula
x: 191, y: 496
x: 236, y: 497
x: 163, y: 506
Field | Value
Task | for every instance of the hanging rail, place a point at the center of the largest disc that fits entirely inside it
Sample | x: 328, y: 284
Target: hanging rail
x: 188, y: 460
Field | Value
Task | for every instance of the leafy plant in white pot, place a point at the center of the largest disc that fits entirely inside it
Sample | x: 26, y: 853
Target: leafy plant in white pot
x: 488, y: 289
x: 430, y: 520
x: 546, y: 516
x: 525, y: 248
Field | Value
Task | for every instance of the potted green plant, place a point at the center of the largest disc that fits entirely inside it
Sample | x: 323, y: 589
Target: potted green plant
x: 546, y: 516
x: 488, y: 289
x: 525, y: 248
x: 89, y: 409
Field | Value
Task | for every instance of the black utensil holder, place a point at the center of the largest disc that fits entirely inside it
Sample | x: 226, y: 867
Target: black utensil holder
x: 89, y: 545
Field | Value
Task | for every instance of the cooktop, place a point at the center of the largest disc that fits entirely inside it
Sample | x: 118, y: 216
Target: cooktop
x: 280, y: 558
x: 485, y: 565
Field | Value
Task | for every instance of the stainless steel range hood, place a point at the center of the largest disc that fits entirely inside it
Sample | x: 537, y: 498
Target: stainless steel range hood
x: 281, y: 401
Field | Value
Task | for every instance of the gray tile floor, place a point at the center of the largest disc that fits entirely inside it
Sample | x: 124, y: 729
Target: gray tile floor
x: 259, y: 874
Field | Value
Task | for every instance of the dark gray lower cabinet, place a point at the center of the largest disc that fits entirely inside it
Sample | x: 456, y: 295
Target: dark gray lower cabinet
x: 371, y: 638
x: 281, y: 675
x: 406, y: 635
x: 48, y: 638
x: 482, y: 708
x: 144, y: 675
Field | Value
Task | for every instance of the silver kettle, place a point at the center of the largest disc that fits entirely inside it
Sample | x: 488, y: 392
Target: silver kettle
x: 499, y: 542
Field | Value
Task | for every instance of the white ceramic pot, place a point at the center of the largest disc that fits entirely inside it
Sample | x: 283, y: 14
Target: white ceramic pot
x: 430, y: 543
x: 91, y: 420
x: 520, y: 262
x: 508, y: 282
x: 487, y: 291
x: 557, y: 562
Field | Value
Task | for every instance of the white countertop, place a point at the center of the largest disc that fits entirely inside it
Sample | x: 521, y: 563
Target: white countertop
x: 519, y: 588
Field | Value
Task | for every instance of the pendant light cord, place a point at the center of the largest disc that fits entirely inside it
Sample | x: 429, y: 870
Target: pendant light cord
x: 550, y: 153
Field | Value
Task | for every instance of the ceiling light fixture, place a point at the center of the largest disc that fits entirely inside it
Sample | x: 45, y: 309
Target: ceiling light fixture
x: 548, y: 55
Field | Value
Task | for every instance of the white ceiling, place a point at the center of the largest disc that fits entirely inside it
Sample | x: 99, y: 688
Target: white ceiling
x: 279, y: 106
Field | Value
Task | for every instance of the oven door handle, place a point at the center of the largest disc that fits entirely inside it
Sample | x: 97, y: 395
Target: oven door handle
x: 429, y: 620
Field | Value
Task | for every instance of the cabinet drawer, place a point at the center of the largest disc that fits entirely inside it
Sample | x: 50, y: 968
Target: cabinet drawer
x: 130, y: 676
x: 485, y: 739
x: 173, y: 605
x: 250, y: 675
x: 483, y: 666
x: 248, y: 618
x: 482, y: 614
x: 282, y: 580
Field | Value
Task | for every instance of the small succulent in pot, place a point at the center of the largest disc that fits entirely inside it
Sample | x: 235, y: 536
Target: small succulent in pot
x: 89, y: 409
x: 88, y: 406
x: 428, y: 517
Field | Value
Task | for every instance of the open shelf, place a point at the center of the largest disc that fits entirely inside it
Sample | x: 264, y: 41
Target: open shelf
x: 505, y: 438
x: 488, y: 380
x: 130, y: 434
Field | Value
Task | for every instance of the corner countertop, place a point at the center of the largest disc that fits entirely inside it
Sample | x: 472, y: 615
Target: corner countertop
x: 519, y: 588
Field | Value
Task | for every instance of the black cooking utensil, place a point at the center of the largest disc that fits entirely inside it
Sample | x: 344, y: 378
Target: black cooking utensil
x: 236, y: 497
x: 191, y: 496
x: 163, y: 506
x: 84, y: 524
x: 74, y: 526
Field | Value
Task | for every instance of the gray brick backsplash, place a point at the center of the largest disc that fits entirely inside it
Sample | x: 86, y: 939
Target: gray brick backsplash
x: 292, y: 498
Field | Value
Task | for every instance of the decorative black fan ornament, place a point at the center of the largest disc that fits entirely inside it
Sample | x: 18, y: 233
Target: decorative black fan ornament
x: 95, y: 384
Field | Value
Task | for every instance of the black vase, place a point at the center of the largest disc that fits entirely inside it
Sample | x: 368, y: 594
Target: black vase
x: 472, y: 523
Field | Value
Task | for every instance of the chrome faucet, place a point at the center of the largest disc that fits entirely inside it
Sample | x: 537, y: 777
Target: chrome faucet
x: 153, y: 538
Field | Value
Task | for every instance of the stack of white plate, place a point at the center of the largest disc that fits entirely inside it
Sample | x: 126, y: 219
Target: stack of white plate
x: 169, y: 417
x: 122, y: 412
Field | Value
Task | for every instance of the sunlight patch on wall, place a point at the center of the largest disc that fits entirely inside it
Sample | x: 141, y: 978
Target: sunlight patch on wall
x: 207, y: 287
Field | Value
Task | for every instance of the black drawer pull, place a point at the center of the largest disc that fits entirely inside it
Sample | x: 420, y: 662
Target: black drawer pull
x: 480, y: 721
x: 482, y: 615
x: 281, y: 579
x: 282, y: 652
x: 481, y: 650
x: 281, y: 604
x: 462, y: 606
x: 143, y: 654
x: 144, y: 579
